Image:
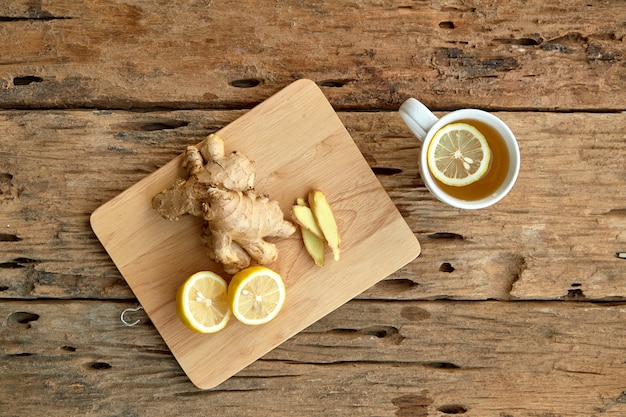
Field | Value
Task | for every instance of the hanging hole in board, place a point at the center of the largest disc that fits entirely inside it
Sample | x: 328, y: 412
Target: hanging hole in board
x: 124, y: 319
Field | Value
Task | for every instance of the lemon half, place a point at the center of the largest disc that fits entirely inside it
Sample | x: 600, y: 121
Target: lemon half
x: 458, y: 155
x: 256, y: 295
x: 202, y: 302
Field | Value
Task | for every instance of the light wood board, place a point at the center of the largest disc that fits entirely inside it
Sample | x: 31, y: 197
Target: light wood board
x: 298, y: 143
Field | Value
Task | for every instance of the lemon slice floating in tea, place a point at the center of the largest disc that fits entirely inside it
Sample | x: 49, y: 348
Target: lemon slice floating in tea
x: 458, y: 155
x: 202, y: 302
x: 256, y: 295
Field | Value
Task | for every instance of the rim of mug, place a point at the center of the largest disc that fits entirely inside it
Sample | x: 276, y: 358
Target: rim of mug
x: 512, y: 146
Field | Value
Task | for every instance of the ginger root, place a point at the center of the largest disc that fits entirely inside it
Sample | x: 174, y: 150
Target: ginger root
x: 318, y: 226
x: 220, y: 189
x: 312, y: 237
x: 325, y: 220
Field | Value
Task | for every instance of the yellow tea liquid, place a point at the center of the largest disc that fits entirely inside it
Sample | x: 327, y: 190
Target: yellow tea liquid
x: 496, y: 174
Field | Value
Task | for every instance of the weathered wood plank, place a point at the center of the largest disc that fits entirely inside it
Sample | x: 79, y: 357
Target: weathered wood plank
x: 555, y: 236
x: 370, y: 54
x: 384, y: 358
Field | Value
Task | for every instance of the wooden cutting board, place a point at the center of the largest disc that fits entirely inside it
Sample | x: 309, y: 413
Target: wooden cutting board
x: 298, y: 143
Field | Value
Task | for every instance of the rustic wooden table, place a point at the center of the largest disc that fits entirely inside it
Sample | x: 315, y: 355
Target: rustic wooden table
x: 517, y: 310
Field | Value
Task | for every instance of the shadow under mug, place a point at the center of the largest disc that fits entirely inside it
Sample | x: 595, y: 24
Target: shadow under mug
x: 424, y: 124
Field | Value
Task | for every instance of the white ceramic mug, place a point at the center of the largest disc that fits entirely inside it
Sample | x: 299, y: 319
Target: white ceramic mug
x: 424, y: 124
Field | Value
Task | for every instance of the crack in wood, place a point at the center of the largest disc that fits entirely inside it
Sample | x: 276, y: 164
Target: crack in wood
x: 441, y: 365
x: 44, y: 16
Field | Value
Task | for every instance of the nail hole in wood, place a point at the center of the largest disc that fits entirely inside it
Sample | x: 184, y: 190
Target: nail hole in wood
x: 445, y: 235
x: 100, y: 366
x: 10, y: 265
x: 446, y: 25
x: 452, y: 409
x: 23, y: 317
x: 386, y: 171
x: 4, y: 287
x: 378, y: 332
x: 245, y: 83
x: 26, y: 260
x: 520, y: 41
x: 574, y: 295
x: 442, y: 365
x: 68, y: 348
x: 17, y: 263
x: 397, y: 285
x: 334, y: 83
x: 163, y: 125
x: 8, y: 237
x: 29, y: 79
x: 446, y: 267
x: 342, y: 331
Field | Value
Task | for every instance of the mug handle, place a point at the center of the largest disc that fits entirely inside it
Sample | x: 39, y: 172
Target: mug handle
x: 417, y: 117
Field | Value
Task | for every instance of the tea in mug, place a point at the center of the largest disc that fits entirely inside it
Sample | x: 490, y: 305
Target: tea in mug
x: 496, y: 172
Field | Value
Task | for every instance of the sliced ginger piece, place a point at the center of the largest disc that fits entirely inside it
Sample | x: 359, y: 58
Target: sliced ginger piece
x: 314, y: 244
x: 303, y: 215
x: 325, y: 219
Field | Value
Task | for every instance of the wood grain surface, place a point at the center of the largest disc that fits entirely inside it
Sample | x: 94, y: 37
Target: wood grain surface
x: 512, y: 311
x: 553, y: 237
x: 402, y: 358
x: 568, y: 55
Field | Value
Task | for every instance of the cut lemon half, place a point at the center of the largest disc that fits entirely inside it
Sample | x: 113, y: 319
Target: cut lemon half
x: 458, y: 155
x: 256, y: 295
x: 202, y: 302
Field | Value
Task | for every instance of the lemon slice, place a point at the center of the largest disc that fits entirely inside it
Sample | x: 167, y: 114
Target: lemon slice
x: 458, y: 155
x: 202, y: 302
x: 256, y: 295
